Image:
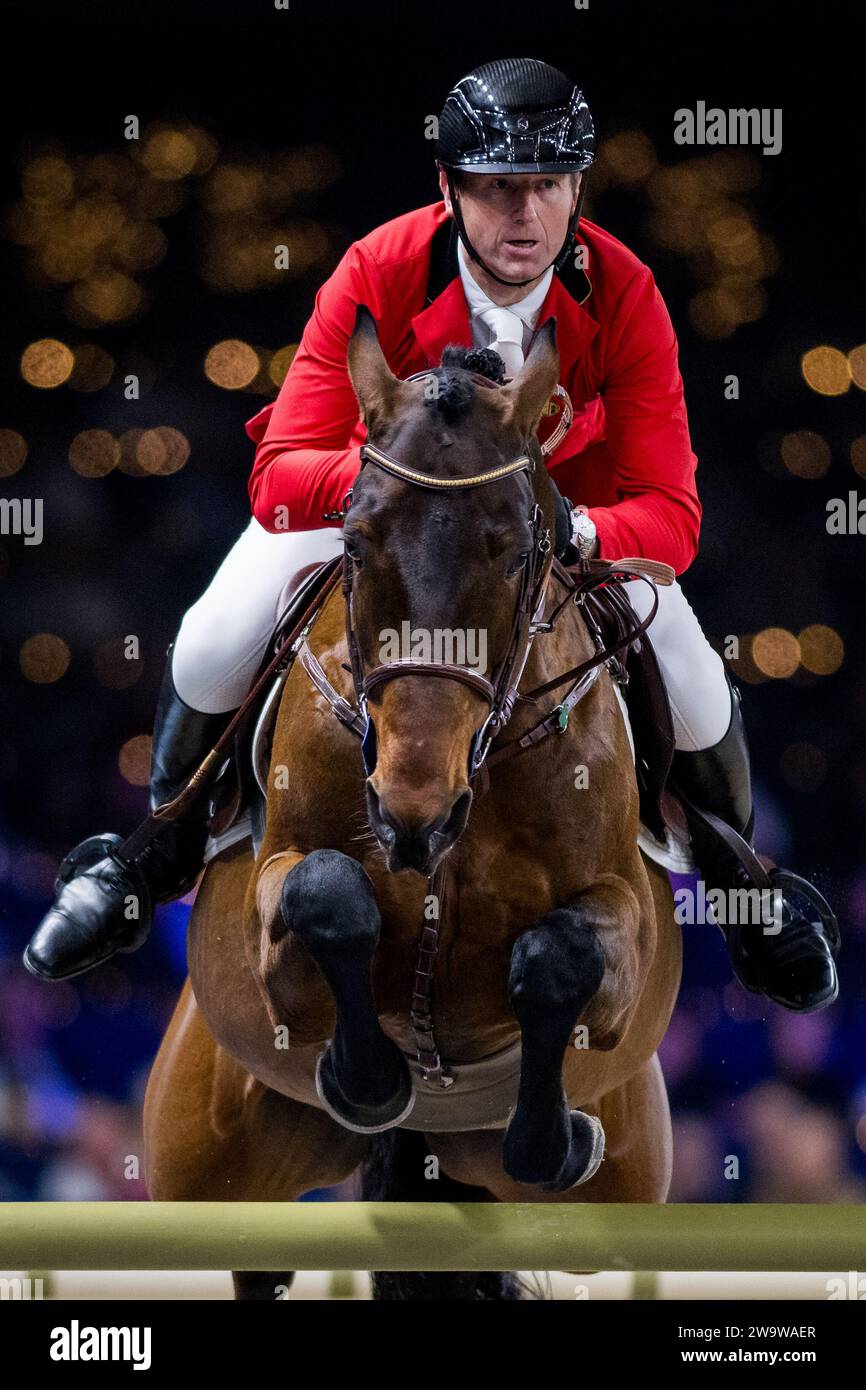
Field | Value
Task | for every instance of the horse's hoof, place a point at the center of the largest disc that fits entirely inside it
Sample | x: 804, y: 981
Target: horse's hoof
x: 363, y: 1119
x: 585, y: 1153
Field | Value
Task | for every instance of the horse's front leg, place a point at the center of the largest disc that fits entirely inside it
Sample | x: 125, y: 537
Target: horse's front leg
x: 577, y: 964
x: 325, y: 901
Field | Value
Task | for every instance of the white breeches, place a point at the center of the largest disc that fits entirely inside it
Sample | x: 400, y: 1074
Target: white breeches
x: 694, y: 674
x: 223, y: 637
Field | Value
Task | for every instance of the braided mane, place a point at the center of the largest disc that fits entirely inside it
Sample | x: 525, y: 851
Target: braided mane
x: 455, y: 392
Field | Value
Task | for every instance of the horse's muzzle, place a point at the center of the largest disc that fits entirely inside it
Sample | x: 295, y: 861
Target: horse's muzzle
x: 412, y: 842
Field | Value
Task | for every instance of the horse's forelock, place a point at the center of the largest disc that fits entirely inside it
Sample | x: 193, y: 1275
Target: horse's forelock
x: 456, y: 389
x: 482, y: 361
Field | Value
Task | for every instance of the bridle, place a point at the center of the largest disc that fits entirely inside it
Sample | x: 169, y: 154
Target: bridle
x: 501, y: 693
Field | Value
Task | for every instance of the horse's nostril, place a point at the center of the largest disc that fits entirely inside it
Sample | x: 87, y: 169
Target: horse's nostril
x: 414, y: 843
x: 379, y: 818
x: 456, y: 822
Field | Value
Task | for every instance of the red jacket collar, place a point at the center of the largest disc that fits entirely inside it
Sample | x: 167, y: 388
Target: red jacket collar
x: 443, y: 322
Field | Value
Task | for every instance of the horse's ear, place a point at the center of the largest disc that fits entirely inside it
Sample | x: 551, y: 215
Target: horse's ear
x: 375, y: 385
x: 527, y: 395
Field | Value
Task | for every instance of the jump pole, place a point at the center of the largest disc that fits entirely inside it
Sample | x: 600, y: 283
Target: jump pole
x: 430, y: 1236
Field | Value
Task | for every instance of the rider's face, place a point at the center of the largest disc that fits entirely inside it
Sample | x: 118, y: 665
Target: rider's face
x: 516, y: 222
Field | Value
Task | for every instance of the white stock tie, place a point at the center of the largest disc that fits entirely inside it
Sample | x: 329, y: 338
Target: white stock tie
x: 507, y: 330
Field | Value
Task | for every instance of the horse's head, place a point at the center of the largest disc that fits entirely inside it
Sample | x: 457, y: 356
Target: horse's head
x: 439, y: 575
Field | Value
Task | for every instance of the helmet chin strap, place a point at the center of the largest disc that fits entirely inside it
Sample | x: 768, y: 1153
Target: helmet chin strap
x: 558, y: 260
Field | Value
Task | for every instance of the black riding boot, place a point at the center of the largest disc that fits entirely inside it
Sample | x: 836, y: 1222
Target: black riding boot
x: 789, y: 955
x: 105, y: 903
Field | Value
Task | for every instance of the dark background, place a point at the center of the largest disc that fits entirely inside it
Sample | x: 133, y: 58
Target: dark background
x: 127, y: 554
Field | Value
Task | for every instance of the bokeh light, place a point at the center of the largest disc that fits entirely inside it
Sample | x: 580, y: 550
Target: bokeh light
x: 162, y: 450
x: 280, y: 362
x: 133, y: 760
x: 733, y: 239
x: 91, y: 224
x: 94, y: 453
x: 715, y: 312
x: 858, y: 455
x: 93, y: 369
x: 699, y: 214
x: 629, y: 156
x: 108, y: 296
x: 805, y: 454
x: 826, y: 370
x: 822, y: 650
x: 13, y: 452
x: 305, y: 170
x: 140, y: 246
x: 776, y: 652
x: 231, y: 364
x: 46, y: 363
x: 129, y: 461
x: 857, y: 366
x: 168, y: 154
x: 107, y: 172
x: 233, y: 188
x: 743, y: 663
x: 47, y: 179
x: 262, y: 383
x: 44, y: 658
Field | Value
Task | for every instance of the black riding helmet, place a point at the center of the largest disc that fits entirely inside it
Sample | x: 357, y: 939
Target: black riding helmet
x: 515, y: 116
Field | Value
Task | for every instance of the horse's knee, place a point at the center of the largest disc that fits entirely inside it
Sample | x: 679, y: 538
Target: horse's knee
x: 557, y: 964
x: 328, y: 901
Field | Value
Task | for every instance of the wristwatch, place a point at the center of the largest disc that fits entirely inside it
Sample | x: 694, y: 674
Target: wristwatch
x: 583, y: 532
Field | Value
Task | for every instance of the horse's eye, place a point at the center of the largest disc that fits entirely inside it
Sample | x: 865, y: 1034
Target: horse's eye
x: 518, y: 565
x: 353, y: 550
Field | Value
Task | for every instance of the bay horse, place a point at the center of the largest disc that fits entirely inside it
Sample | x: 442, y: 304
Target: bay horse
x: 452, y: 974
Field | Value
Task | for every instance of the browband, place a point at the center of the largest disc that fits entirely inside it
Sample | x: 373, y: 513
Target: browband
x: 370, y: 454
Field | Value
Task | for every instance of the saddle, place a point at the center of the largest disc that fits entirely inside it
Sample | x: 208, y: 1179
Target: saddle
x: 239, y: 788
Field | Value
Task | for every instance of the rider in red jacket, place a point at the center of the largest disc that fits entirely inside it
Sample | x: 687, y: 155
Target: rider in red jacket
x: 627, y: 454
x: 503, y: 251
